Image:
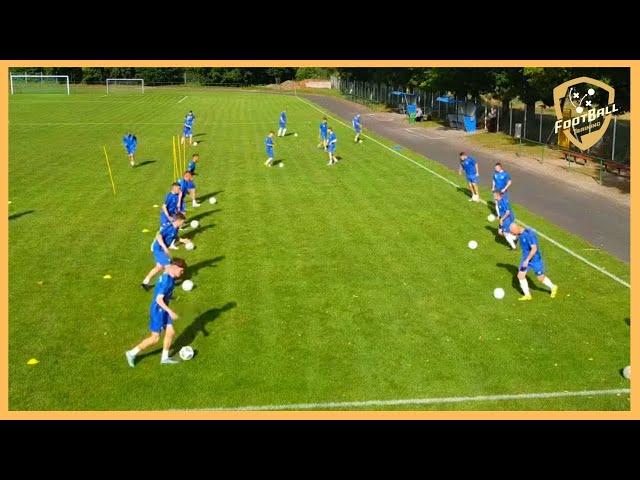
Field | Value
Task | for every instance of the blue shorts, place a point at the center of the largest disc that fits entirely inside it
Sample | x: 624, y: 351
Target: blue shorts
x: 187, y: 132
x: 332, y: 149
x: 283, y: 125
x: 158, y: 319
x: 270, y: 153
x: 472, y: 178
x: 159, y: 254
x: 357, y: 130
x: 536, y: 265
x: 506, y: 224
x: 324, y: 137
x: 131, y: 151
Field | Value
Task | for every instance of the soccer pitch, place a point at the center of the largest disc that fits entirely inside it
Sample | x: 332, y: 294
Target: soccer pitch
x: 314, y: 285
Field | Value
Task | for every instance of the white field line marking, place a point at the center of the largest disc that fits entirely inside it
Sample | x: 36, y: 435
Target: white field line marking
x: 184, y: 98
x: 53, y: 124
x: 559, y: 245
x: 417, y: 401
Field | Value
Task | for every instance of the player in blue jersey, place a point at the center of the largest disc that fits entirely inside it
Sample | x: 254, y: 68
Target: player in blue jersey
x: 331, y: 146
x: 187, y: 129
x: 161, y: 316
x: 506, y: 216
x: 167, y: 234
x: 470, y: 167
x: 130, y: 142
x: 195, y: 158
x: 268, y: 145
x: 357, y: 127
x: 531, y: 260
x: 187, y: 187
x: 282, y: 124
x: 171, y: 204
x: 501, y: 181
x: 323, y: 134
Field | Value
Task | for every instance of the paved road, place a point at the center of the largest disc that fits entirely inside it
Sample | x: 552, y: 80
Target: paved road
x: 603, y: 223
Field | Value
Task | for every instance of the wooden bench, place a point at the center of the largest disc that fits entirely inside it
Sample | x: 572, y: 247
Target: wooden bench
x: 610, y: 166
x: 578, y: 158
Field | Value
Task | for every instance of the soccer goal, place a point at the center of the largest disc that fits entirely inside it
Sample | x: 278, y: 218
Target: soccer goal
x: 125, y: 85
x: 40, y: 84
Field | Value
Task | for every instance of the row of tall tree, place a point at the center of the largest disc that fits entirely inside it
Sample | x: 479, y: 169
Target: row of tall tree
x: 528, y: 84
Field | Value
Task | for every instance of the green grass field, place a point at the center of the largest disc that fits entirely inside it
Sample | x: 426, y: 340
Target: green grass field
x: 313, y: 284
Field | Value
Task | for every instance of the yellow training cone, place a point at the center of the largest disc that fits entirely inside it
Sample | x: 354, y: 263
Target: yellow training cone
x: 40, y: 282
x: 155, y: 206
x: 33, y: 361
x: 10, y: 202
x: 145, y: 230
x: 107, y: 276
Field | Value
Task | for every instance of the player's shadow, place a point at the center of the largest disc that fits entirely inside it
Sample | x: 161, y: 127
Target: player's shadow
x: 497, y: 237
x: 288, y: 134
x: 192, y: 270
x: 20, y: 214
x: 189, y: 334
x: 205, y: 198
x: 146, y: 162
x: 202, y: 215
x: 464, y: 190
x: 199, y: 135
x: 277, y: 162
x: 514, y: 275
x: 197, y: 231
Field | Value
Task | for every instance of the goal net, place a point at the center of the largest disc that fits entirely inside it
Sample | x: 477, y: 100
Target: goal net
x: 40, y: 84
x: 125, y: 85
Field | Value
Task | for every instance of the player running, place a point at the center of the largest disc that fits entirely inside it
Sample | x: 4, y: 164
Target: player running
x: 506, y: 216
x: 187, y: 130
x: 195, y: 158
x: 501, y: 182
x: 357, y: 127
x: 167, y: 234
x: 161, y: 316
x: 283, y: 124
x: 331, y: 146
x: 268, y: 145
x: 323, y: 134
x: 531, y: 259
x: 130, y: 144
x: 470, y: 167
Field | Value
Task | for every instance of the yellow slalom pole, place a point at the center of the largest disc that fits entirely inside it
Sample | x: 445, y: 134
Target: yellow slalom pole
x: 179, y: 155
x: 109, y: 168
x: 184, y: 156
x: 175, y: 160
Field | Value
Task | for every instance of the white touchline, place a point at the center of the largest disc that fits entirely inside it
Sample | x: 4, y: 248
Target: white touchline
x: 184, y: 98
x: 416, y: 401
x: 559, y: 245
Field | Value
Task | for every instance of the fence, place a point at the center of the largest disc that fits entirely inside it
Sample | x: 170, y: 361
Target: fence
x: 534, y: 126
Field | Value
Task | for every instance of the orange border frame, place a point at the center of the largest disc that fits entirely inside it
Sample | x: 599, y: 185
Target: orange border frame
x: 634, y: 413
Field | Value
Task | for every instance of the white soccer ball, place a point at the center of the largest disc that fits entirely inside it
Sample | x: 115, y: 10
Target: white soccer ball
x: 626, y: 372
x: 360, y: 141
x: 195, y: 144
x: 186, y: 353
x: 281, y: 165
x: 498, y: 293
x: 189, y: 246
x: 491, y: 217
x: 194, y: 223
x: 212, y: 200
x: 295, y: 134
x: 187, y: 285
x: 473, y: 244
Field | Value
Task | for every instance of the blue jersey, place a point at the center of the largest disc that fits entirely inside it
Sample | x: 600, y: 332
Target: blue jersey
x: 171, y: 201
x: 185, y: 186
x: 323, y: 129
x: 192, y: 166
x: 469, y: 166
x: 503, y: 207
x: 528, y: 238
x: 268, y: 144
x: 333, y: 139
x: 126, y: 140
x: 356, y: 123
x: 164, y: 287
x: 500, y: 179
x: 283, y: 120
x: 169, y: 234
x: 188, y: 121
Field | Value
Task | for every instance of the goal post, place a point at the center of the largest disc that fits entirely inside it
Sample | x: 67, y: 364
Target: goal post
x: 39, y: 84
x: 125, y: 85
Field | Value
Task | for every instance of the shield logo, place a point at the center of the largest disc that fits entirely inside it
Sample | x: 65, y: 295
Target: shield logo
x: 574, y: 99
